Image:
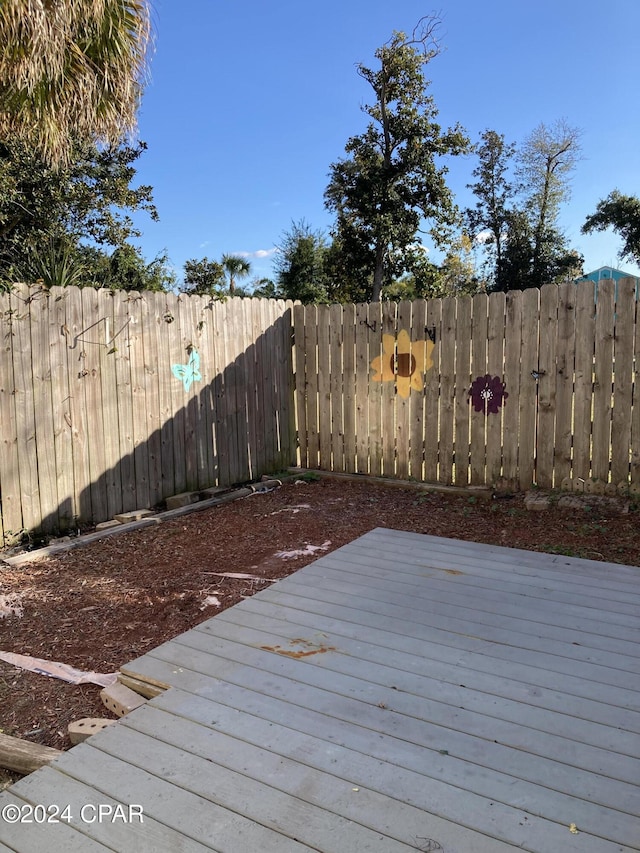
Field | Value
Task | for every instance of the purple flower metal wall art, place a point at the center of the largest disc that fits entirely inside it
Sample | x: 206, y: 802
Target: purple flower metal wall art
x: 487, y: 394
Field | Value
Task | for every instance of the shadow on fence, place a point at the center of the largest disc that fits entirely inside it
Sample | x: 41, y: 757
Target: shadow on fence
x: 230, y: 429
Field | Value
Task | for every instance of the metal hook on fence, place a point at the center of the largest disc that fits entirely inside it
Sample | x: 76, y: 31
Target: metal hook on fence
x: 368, y: 324
x: 430, y: 332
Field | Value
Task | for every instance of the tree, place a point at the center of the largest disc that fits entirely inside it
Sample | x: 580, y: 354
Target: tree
x: 546, y: 161
x: 622, y: 213
x: 204, y: 277
x: 71, y: 69
x: 489, y: 219
x: 126, y: 269
x: 235, y: 267
x: 390, y: 181
x: 48, y: 212
x: 300, y: 264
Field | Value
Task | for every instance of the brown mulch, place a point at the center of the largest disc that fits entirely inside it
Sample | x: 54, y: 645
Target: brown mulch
x: 99, y: 607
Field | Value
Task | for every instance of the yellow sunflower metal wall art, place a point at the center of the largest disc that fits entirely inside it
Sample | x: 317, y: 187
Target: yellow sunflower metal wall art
x: 403, y: 361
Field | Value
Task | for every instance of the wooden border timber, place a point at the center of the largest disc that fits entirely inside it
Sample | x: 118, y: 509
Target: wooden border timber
x: 483, y: 492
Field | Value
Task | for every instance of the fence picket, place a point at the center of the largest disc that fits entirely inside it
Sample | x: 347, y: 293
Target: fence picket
x: 362, y: 389
x: 495, y: 369
x: 431, y: 390
x: 336, y: 386
x: 374, y: 335
x: 301, y: 383
x: 417, y: 397
x: 406, y: 364
x: 462, y: 384
x: 12, y: 521
x: 603, y: 380
x: 478, y: 418
x: 510, y: 420
x: 565, y: 368
x: 583, y: 396
x: 91, y: 341
x: 622, y: 381
x: 349, y: 373
x: 547, y: 385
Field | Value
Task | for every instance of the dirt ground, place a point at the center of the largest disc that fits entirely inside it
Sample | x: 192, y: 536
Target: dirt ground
x: 99, y: 607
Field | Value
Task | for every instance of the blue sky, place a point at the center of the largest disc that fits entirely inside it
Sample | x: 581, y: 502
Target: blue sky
x: 250, y: 102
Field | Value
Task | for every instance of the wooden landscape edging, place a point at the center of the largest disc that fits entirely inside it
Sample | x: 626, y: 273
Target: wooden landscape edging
x: 534, y: 387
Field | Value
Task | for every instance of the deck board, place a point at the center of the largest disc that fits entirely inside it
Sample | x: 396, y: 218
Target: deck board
x: 404, y: 692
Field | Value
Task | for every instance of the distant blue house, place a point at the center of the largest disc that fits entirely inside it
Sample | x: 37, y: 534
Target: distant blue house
x: 606, y: 274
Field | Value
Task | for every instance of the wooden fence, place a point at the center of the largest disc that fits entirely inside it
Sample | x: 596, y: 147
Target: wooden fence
x: 538, y: 386
x: 112, y: 401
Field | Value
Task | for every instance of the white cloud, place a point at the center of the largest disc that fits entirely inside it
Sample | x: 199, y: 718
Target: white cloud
x: 259, y: 253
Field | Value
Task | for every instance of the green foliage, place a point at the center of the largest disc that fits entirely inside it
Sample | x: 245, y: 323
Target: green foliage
x: 489, y: 219
x: 204, y: 277
x: 235, y: 267
x: 516, y: 217
x: 58, y: 224
x: 389, y: 181
x: 300, y: 264
x: 622, y: 213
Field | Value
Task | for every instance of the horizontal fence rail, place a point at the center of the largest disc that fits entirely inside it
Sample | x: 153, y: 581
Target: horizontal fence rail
x: 532, y: 387
x: 113, y: 401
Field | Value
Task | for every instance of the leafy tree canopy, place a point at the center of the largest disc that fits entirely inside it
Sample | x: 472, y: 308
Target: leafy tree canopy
x: 72, y: 224
x: 300, y: 264
x: 622, y: 213
x: 390, y: 180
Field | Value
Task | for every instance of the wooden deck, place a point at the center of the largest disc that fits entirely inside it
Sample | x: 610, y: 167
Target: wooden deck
x: 402, y: 693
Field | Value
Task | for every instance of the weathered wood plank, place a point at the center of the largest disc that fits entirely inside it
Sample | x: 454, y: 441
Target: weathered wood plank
x: 62, y: 449
x: 336, y: 387
x: 362, y: 389
x: 583, y: 398
x: 447, y: 391
x: 462, y: 447
x: 407, y: 363
x: 122, y: 321
x: 374, y: 335
x: 311, y: 354
x: 417, y: 398
x: 262, y: 802
x: 321, y: 757
x: 510, y: 421
x: 495, y: 368
x: 528, y: 399
x: 155, y: 832
x: 43, y: 392
x: 91, y: 341
x: 315, y: 688
x: 586, y: 720
x: 625, y: 318
x: 324, y: 387
x: 389, y: 388
x: 432, y: 391
x: 299, y: 360
x: 603, y: 381
x: 109, y: 342
x: 9, y: 483
x: 547, y: 385
x: 34, y: 837
x: 565, y: 366
x: 349, y: 376
x: 24, y: 407
x: 478, y: 419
